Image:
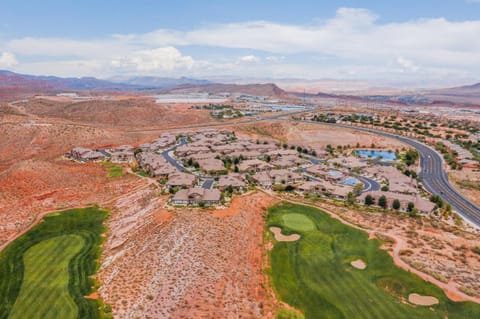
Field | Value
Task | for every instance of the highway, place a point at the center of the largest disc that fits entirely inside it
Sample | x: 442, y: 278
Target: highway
x: 432, y: 174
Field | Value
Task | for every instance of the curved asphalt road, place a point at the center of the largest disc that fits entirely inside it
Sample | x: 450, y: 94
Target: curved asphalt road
x: 368, y: 184
x: 432, y: 175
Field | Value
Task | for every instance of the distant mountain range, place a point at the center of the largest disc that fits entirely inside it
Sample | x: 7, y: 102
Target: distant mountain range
x: 157, y: 82
x: 264, y: 89
x: 32, y: 83
x: 13, y: 80
x: 14, y: 84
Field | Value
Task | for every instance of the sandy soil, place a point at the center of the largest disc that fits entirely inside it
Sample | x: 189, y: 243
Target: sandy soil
x: 359, y: 264
x: 420, y: 300
x: 317, y: 136
x: 32, y: 187
x: 187, y: 263
x: 466, y: 175
x: 277, y: 233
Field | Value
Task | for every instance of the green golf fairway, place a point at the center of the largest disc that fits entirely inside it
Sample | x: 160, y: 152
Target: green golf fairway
x: 46, y: 272
x: 314, y: 273
x: 46, y: 276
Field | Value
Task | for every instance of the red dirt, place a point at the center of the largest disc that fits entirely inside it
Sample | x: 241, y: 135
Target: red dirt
x: 199, y: 264
x: 93, y: 295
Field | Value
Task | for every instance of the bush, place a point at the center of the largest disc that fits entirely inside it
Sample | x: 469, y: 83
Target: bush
x: 382, y: 202
x: 396, y: 204
x: 369, y: 200
x: 410, y: 207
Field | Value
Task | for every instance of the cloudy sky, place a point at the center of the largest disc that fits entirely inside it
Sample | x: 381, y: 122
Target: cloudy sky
x: 411, y: 41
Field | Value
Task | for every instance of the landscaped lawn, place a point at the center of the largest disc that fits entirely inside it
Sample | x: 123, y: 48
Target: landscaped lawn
x: 115, y: 171
x: 46, y: 272
x: 314, y: 273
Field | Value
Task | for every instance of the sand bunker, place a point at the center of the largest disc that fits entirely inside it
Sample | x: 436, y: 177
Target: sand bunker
x: 420, y: 300
x: 277, y: 232
x: 359, y: 264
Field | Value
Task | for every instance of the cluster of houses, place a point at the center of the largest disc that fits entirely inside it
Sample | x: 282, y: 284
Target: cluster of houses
x: 199, y: 167
x: 400, y: 187
x: 465, y: 157
x: 120, y: 154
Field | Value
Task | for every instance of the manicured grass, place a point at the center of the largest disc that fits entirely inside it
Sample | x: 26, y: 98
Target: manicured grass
x: 298, y: 222
x: 46, y: 276
x: 314, y: 273
x: 115, y: 171
x: 142, y: 173
x: 46, y: 272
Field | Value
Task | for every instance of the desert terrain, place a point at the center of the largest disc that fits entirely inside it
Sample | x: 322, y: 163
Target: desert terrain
x: 160, y: 261
x: 182, y: 263
x: 316, y: 136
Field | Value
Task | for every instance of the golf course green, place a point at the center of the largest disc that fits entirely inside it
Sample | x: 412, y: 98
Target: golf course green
x: 314, y: 274
x: 46, y: 272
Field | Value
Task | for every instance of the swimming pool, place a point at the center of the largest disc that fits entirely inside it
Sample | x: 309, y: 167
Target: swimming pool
x: 350, y: 181
x: 384, y: 155
x: 334, y: 173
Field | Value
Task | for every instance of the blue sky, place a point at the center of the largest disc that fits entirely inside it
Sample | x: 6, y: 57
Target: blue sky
x: 408, y: 41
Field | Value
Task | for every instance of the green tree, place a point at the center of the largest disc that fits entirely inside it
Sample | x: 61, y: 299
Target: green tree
x: 382, y: 202
x: 350, y: 201
x: 369, y: 200
x: 396, y: 204
x: 357, y: 190
x: 410, y: 207
x: 384, y: 188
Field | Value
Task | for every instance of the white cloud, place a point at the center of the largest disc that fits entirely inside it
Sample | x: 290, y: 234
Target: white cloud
x: 7, y: 60
x: 159, y: 59
x: 249, y: 59
x: 275, y: 58
x: 406, y: 64
x: 58, y: 47
x: 353, y: 43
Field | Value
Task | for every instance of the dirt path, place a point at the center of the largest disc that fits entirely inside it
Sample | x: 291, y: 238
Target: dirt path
x: 451, y: 290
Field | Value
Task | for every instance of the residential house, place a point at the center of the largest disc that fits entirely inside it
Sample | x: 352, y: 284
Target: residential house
x: 123, y: 153
x: 278, y: 176
x: 197, y: 196
x: 421, y: 204
x: 397, y: 181
x: 86, y: 155
x: 235, y: 180
x: 254, y: 165
x: 211, y: 165
x: 349, y: 162
x: 180, y: 179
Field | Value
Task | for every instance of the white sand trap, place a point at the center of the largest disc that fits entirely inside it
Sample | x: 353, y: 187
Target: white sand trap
x: 277, y: 232
x: 359, y: 264
x: 420, y: 300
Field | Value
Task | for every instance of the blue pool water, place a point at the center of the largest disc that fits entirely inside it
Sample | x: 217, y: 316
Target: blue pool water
x: 334, y: 173
x: 385, y: 155
x: 350, y: 181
